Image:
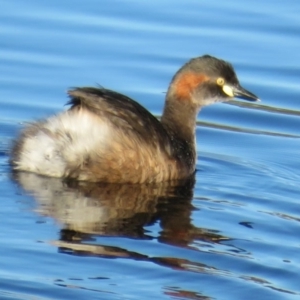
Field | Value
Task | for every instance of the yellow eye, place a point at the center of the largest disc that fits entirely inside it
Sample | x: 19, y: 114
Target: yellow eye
x: 220, y: 81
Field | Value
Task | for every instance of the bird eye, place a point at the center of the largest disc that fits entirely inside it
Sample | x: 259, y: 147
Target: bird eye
x: 220, y: 81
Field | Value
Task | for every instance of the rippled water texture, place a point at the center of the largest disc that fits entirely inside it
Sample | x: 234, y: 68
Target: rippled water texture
x: 232, y: 232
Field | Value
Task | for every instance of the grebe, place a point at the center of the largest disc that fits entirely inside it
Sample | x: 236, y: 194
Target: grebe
x: 106, y: 136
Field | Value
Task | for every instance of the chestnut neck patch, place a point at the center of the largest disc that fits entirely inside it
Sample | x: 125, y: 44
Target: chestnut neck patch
x: 187, y: 82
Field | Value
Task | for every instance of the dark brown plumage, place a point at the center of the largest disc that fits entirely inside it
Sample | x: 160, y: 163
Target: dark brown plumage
x: 106, y: 136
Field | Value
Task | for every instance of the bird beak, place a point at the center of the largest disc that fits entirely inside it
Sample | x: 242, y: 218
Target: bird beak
x: 239, y: 92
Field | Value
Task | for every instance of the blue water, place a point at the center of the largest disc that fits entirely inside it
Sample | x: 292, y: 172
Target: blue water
x: 233, y: 233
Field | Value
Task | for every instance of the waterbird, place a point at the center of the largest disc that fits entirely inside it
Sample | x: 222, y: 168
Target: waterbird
x: 106, y: 136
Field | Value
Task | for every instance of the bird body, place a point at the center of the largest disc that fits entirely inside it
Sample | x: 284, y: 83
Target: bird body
x: 106, y: 136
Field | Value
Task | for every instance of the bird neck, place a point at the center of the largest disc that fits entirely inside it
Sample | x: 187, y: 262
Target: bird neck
x: 179, y: 120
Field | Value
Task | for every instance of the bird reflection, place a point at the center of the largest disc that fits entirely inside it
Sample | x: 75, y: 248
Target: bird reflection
x: 88, y: 210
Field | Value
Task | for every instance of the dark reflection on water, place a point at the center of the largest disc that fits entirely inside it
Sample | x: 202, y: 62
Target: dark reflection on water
x: 87, y: 210
x: 115, y: 209
x: 183, y: 294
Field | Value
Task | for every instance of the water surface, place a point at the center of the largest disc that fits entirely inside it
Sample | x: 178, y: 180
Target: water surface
x: 232, y: 232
